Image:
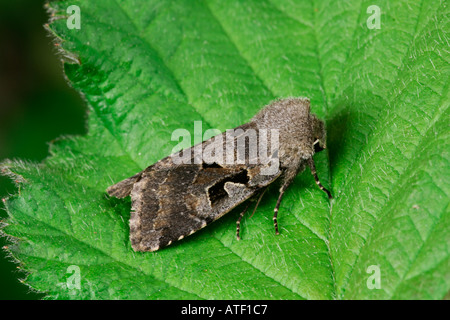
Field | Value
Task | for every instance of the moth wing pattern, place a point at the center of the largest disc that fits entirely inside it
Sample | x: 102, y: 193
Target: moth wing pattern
x: 123, y: 188
x: 171, y: 201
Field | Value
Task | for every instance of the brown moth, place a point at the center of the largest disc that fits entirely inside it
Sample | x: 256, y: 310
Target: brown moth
x: 187, y: 190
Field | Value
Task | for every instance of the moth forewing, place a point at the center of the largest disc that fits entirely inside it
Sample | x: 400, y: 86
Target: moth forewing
x: 186, y: 191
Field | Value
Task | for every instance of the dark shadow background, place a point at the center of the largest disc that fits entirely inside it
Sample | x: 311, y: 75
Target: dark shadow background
x: 36, y: 106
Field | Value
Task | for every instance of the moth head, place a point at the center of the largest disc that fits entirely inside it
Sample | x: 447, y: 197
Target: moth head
x: 319, y: 134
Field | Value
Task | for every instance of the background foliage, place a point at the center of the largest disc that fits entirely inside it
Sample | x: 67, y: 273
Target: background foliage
x: 36, y: 106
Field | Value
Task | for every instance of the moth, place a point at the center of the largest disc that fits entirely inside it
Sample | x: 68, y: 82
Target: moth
x: 189, y: 189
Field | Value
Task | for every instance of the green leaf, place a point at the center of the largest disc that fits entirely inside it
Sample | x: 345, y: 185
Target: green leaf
x: 147, y: 68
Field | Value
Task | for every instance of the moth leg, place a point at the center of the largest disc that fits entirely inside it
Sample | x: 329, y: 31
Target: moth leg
x: 275, y: 222
x: 316, y: 178
x: 259, y: 200
x: 238, y: 222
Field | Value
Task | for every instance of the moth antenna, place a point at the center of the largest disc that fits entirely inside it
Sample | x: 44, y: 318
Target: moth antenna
x: 259, y: 200
x: 312, y: 166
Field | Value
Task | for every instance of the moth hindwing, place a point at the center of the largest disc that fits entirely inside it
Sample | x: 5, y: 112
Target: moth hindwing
x: 189, y: 189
